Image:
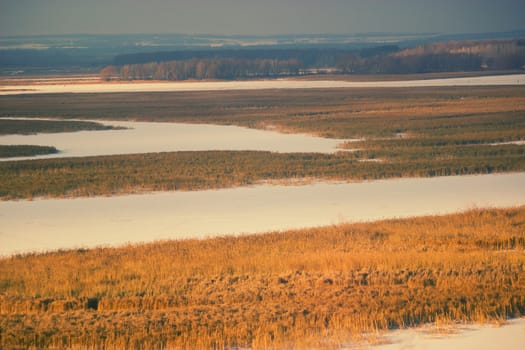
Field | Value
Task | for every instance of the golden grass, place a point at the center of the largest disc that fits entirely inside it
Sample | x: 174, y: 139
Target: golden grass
x: 315, y: 288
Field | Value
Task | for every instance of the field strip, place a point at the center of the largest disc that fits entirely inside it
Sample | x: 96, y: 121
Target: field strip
x: 108, y: 87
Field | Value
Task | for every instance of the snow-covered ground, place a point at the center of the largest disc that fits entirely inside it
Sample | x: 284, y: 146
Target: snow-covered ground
x: 101, y: 87
x: 517, y: 143
x: 510, y: 336
x: 86, y: 222
x: 142, y: 137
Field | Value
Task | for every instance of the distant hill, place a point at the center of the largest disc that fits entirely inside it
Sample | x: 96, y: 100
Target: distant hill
x: 451, y: 56
x: 55, y: 54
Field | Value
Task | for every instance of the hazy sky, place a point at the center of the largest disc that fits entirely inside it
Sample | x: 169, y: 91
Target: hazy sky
x: 20, y: 17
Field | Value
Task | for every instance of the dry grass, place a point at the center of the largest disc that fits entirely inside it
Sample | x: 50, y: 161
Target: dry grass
x: 28, y: 127
x: 313, y: 288
x: 447, y: 131
x: 339, y: 113
x: 189, y: 171
x: 25, y: 151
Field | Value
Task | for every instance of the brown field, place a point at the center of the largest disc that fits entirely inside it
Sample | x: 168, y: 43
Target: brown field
x: 316, y: 288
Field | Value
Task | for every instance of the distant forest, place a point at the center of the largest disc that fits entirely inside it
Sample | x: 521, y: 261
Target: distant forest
x: 451, y: 56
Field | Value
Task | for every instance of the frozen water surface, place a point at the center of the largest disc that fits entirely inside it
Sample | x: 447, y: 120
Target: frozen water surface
x: 475, y: 337
x: 49, y: 224
x: 144, y: 137
x: 101, y: 87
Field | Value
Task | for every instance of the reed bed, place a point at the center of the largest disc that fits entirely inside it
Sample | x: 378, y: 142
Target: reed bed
x: 28, y: 127
x: 406, y: 133
x: 315, y: 288
x: 338, y: 113
x: 8, y: 151
x: 189, y: 171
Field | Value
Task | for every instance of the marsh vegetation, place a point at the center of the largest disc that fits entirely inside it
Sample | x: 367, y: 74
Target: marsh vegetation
x: 336, y: 113
x: 305, y: 288
x: 27, y: 126
x: 310, y: 288
x: 406, y: 133
x: 7, y: 151
x: 189, y: 171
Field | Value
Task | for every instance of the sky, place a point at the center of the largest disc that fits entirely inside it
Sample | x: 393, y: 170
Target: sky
x: 258, y: 17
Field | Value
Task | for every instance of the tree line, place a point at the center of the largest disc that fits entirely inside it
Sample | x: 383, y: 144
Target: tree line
x: 240, y: 64
x: 453, y: 56
x: 205, y: 68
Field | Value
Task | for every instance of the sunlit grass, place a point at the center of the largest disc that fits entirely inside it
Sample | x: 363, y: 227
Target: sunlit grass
x: 309, y: 288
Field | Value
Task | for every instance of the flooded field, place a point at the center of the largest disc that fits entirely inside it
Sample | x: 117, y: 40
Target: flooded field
x: 86, y: 222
